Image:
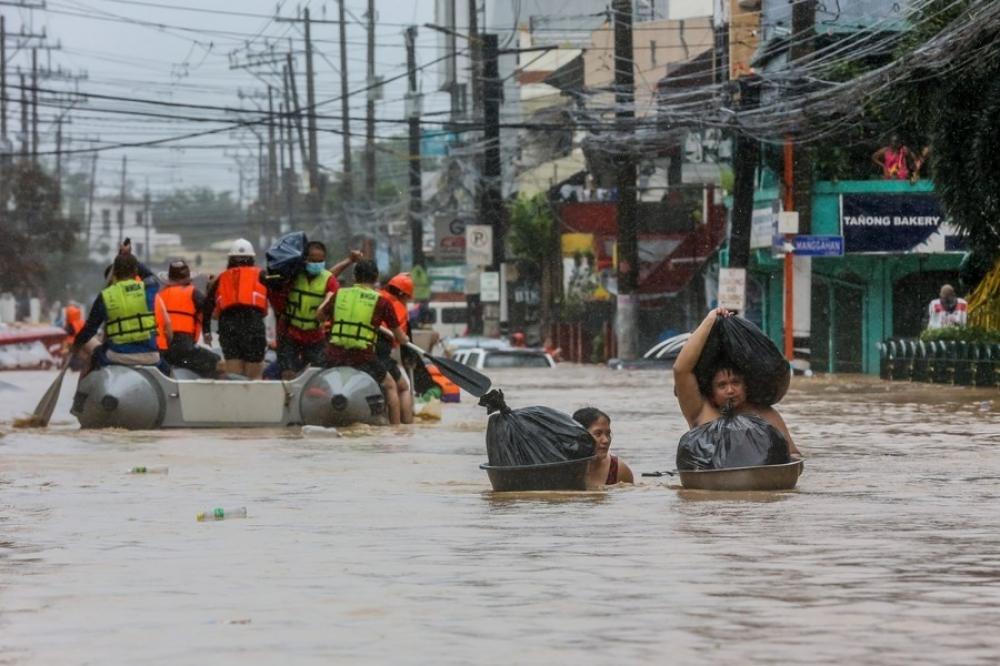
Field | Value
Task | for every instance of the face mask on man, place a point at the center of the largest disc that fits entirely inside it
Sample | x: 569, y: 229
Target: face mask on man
x: 315, y: 267
x: 949, y: 303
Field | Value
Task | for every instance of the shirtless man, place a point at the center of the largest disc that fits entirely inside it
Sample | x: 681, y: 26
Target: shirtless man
x: 728, y: 391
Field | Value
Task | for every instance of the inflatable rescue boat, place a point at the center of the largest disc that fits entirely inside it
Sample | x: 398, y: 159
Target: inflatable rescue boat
x: 143, y: 398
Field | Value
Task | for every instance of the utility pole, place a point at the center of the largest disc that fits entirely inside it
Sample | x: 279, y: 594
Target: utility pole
x: 627, y: 315
x: 491, y: 202
x: 58, y: 174
x: 6, y: 147
x: 3, y: 80
x: 34, y: 105
x: 121, y: 203
x: 370, y: 112
x: 745, y: 156
x: 797, y: 176
x: 297, y: 109
x: 147, y: 221
x: 413, y: 103
x: 474, y: 55
x: 345, y: 111
x: 289, y: 172
x: 272, y: 163
x: 314, y: 192
x: 90, y: 198
x: 25, y: 136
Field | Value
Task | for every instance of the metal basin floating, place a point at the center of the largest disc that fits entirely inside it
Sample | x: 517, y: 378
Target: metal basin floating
x: 571, y: 475
x: 764, y: 477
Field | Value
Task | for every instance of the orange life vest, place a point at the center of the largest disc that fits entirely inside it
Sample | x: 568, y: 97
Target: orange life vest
x: 401, y: 315
x: 449, y: 390
x: 184, y: 315
x: 240, y: 286
x: 74, y: 319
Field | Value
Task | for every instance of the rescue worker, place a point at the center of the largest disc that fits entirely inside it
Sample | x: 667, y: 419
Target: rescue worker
x: 358, y: 313
x: 73, y: 322
x: 125, y: 310
x: 301, y: 339
x: 398, y: 291
x: 183, y: 308
x: 239, y: 300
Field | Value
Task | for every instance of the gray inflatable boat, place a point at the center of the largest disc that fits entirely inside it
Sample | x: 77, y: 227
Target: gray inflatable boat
x: 143, y: 398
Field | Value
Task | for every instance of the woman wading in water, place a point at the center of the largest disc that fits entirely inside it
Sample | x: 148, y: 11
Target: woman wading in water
x: 605, y: 470
x: 727, y: 391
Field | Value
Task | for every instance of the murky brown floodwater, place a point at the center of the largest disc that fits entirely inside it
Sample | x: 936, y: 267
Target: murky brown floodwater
x: 386, y: 546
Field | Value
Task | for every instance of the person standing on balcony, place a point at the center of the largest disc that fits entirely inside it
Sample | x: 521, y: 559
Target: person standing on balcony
x: 895, y: 160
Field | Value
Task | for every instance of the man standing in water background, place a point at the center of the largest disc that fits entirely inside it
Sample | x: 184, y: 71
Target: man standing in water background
x: 947, y: 310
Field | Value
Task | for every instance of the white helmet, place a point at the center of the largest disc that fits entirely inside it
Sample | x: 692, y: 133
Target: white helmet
x: 242, y: 248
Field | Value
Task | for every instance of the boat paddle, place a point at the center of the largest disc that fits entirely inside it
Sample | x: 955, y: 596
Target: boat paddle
x: 473, y: 382
x: 43, y: 412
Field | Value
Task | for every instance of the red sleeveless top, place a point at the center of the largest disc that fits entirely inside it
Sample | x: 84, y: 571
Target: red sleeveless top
x: 612, y: 472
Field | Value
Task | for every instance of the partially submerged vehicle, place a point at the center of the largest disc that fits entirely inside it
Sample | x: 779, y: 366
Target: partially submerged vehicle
x: 660, y: 356
x: 763, y: 477
x: 143, y: 398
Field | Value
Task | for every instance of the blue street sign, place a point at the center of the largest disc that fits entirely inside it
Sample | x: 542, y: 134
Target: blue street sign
x: 819, y: 246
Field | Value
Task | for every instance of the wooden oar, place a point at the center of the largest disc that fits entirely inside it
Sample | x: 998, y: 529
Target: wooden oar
x: 43, y: 412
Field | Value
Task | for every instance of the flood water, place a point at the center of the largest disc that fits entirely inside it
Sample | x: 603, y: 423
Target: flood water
x: 387, y: 546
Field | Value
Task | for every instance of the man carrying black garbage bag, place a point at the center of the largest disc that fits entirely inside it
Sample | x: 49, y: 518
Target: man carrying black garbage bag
x: 726, y: 377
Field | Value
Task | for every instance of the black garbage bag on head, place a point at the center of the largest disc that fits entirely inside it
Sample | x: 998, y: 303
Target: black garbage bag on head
x: 745, y: 347
x: 738, y: 440
x: 532, y: 435
x: 287, y: 256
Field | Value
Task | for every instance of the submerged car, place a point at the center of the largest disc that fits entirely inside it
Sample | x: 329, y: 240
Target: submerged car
x: 660, y: 356
x: 480, y: 358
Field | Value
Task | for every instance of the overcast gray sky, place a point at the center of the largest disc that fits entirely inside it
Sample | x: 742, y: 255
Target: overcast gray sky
x: 157, y: 49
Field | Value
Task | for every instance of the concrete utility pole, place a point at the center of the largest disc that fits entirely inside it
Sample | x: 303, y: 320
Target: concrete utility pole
x: 121, y: 203
x: 627, y: 314
x: 474, y: 56
x: 297, y: 109
x: 370, y: 111
x: 3, y: 79
x: 25, y: 136
x: 90, y: 198
x: 746, y: 154
x: 34, y: 105
x: 147, y: 221
x: 58, y: 174
x: 272, y: 164
x: 345, y: 112
x: 491, y: 201
x: 314, y: 191
x: 416, y: 190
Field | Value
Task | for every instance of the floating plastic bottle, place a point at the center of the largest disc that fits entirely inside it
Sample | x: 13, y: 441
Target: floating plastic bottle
x: 149, y: 470
x: 221, y: 514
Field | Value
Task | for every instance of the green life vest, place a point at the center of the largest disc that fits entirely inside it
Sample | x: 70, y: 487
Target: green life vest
x: 129, y: 318
x: 304, y: 299
x: 353, y: 311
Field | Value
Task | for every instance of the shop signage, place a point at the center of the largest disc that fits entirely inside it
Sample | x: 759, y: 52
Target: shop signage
x: 890, y: 222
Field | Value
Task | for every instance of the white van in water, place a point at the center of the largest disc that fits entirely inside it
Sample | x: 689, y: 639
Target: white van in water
x: 448, y: 318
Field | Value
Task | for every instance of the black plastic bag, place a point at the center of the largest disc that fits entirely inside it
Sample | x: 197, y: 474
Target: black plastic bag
x: 287, y: 257
x: 532, y: 435
x: 746, y: 348
x: 738, y: 440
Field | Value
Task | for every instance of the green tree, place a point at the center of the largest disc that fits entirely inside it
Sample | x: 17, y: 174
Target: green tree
x: 200, y: 215
x: 958, y: 109
x: 34, y: 235
x: 534, y: 239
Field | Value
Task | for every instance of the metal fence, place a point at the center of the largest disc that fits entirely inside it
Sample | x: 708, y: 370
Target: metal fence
x: 941, y: 362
